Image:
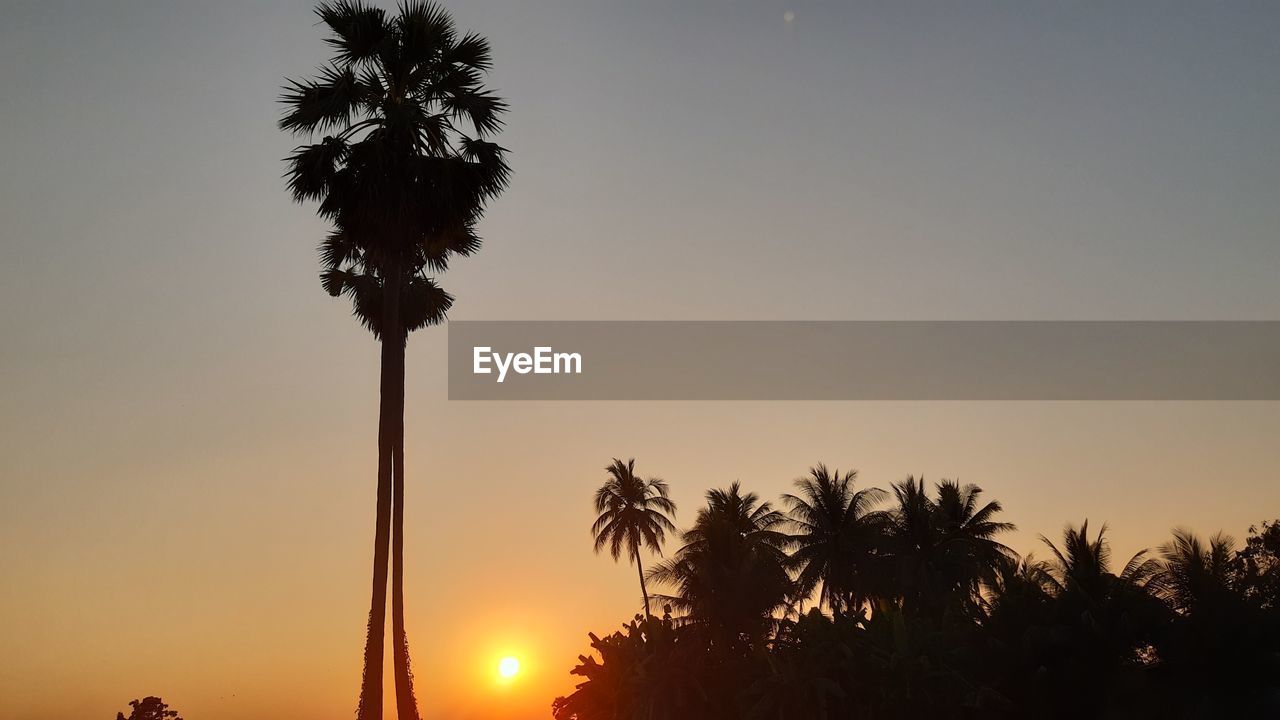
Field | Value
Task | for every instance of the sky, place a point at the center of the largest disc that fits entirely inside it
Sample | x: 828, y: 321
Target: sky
x: 187, y: 445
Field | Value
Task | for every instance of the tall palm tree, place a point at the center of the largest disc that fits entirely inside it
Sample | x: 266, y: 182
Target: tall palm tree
x: 633, y: 512
x: 733, y: 571
x: 837, y: 537
x: 403, y: 185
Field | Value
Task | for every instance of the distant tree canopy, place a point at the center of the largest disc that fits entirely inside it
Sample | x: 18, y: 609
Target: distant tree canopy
x: 1257, y: 566
x: 919, y: 611
x: 149, y: 708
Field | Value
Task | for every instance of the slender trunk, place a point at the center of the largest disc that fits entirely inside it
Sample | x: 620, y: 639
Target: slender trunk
x: 406, y: 703
x: 390, y: 408
x: 635, y: 553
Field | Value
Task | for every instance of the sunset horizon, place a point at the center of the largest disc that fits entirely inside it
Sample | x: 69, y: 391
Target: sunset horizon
x: 639, y: 361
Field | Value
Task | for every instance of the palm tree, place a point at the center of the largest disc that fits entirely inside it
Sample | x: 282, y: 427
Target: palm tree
x: 404, y: 186
x: 1015, y: 592
x: 838, y: 535
x: 1197, y: 576
x: 941, y: 549
x: 1082, y: 569
x: 732, y: 573
x: 1015, y: 613
x: 1215, y: 621
x: 969, y: 530
x: 1109, y: 620
x: 632, y: 512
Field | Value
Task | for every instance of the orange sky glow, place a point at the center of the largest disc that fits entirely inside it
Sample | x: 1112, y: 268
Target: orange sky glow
x: 187, y: 423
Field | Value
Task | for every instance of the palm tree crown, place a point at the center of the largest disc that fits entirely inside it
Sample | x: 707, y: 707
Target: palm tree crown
x: 942, y: 548
x: 1197, y: 576
x: 396, y: 172
x: 732, y: 572
x: 837, y: 536
x: 1082, y: 567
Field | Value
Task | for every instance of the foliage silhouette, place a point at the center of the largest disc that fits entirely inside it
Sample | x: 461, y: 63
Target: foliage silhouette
x: 149, y: 708
x: 1257, y: 566
x: 837, y: 543
x: 403, y: 185
x: 921, y: 612
x: 732, y: 573
x: 939, y: 548
x: 632, y: 512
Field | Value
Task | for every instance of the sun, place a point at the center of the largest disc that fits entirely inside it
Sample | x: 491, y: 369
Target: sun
x: 508, y: 667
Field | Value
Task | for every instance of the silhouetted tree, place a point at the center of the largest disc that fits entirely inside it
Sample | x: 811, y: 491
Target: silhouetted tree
x: 802, y: 676
x: 149, y: 708
x: 1216, y: 620
x: 1106, y: 622
x: 732, y: 573
x: 632, y: 512
x: 940, y: 549
x: 955, y: 626
x: 1197, y: 577
x: 837, y: 537
x: 1258, y: 565
x: 403, y: 185
x: 649, y: 671
x: 1016, y: 590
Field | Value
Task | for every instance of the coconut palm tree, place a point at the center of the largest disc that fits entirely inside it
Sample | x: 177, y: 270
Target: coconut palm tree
x: 837, y: 537
x: 1197, y: 576
x: 1215, y: 621
x: 1081, y: 569
x: 1016, y: 592
x: 969, y: 529
x: 1108, y: 620
x: 940, y: 549
x: 732, y: 572
x: 403, y: 184
x: 633, y: 512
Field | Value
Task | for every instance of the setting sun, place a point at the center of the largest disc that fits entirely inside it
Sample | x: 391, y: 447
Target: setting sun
x: 508, y: 667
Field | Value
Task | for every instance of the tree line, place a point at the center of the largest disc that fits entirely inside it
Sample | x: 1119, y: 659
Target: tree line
x: 844, y: 601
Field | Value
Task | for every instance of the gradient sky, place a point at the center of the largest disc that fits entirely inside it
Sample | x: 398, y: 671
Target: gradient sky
x: 187, y: 424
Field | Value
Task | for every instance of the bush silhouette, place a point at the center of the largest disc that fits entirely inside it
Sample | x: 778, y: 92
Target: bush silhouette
x: 149, y: 708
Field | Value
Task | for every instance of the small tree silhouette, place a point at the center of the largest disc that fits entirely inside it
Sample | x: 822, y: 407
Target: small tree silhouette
x: 149, y: 708
x: 1257, y: 566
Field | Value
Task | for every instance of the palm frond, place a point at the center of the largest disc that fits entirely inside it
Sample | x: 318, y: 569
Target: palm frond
x: 312, y: 169
x: 471, y: 51
x: 322, y: 104
x: 359, y: 30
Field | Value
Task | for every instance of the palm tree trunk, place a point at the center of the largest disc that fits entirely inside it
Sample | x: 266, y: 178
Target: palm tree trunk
x: 635, y: 553
x: 406, y: 703
x: 391, y: 406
